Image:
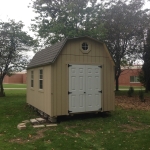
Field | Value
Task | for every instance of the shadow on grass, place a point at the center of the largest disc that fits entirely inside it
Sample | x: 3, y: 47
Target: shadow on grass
x: 83, y: 116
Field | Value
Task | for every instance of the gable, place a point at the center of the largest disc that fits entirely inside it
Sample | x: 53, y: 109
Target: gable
x: 50, y: 54
x: 97, y: 50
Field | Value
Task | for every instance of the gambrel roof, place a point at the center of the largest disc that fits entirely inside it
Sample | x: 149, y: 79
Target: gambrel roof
x: 49, y: 54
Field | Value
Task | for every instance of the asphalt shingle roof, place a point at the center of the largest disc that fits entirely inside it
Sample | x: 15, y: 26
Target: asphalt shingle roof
x: 47, y: 55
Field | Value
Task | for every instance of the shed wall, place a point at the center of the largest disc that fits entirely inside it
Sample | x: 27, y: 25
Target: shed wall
x: 40, y: 99
x: 71, y: 54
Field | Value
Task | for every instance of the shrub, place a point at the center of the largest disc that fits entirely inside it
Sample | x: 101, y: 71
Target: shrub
x: 130, y: 91
x: 141, y: 96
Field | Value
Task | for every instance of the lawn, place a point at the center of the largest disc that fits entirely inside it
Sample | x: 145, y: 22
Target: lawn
x: 135, y: 87
x: 123, y: 129
x: 14, y: 85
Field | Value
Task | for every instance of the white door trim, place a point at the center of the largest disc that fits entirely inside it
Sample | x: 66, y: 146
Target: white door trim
x: 84, y: 88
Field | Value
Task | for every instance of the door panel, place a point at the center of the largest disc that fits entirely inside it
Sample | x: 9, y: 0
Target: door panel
x: 77, y: 88
x: 84, y: 85
x: 93, y: 97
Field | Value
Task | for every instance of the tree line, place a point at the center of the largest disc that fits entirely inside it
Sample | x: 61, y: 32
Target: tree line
x: 122, y: 24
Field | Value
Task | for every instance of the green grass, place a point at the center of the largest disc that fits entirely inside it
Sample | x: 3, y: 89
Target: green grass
x: 135, y: 87
x: 14, y: 85
x: 119, y: 130
x: 125, y: 92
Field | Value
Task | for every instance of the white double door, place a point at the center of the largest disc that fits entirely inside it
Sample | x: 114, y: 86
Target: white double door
x: 84, y: 88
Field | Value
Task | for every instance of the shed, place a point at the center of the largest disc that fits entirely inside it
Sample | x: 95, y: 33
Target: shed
x: 73, y: 76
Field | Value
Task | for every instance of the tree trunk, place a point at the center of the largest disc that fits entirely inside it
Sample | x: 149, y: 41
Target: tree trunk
x: 2, y: 93
x: 147, y: 87
x: 117, y: 83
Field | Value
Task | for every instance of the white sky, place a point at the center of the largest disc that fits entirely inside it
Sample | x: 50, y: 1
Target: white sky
x: 19, y: 11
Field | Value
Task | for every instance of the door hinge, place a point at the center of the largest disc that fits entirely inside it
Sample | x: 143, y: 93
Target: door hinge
x: 100, y: 66
x: 69, y: 65
x: 69, y: 111
x: 100, y: 91
x: 69, y: 92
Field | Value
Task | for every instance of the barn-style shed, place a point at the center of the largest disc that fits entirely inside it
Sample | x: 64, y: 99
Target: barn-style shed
x: 73, y: 76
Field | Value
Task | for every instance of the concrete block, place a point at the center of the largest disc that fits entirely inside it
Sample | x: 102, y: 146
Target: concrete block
x: 21, y: 126
x: 26, y: 121
x: 40, y: 120
x: 34, y: 121
x: 52, y: 119
x: 38, y: 126
x: 51, y: 125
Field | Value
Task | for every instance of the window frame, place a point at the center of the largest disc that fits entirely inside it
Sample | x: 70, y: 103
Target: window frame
x: 41, y: 79
x: 32, y: 79
x: 134, y: 79
x: 87, y: 45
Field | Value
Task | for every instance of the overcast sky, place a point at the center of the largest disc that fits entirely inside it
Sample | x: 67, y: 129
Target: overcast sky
x: 18, y: 10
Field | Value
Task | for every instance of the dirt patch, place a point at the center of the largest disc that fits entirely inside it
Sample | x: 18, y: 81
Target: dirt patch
x: 69, y: 127
x: 40, y: 134
x: 129, y: 128
x: 132, y: 102
x: 66, y: 133
x: 89, y: 131
x: 134, y: 126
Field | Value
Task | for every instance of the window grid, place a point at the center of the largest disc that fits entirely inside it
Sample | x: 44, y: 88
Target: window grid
x: 32, y: 79
x: 134, y: 79
x: 41, y: 79
x: 84, y: 46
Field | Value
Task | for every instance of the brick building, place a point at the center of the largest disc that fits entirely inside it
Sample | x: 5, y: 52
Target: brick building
x: 17, y: 78
x: 129, y: 76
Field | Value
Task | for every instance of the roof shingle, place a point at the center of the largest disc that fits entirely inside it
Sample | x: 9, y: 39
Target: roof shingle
x: 47, y: 55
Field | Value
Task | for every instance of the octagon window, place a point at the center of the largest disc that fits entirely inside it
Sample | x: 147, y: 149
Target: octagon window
x: 84, y: 46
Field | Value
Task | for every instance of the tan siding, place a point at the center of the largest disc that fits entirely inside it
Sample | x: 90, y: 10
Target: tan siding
x: 64, y: 85
x: 71, y: 54
x: 41, y: 99
x: 102, y: 87
x: 47, y: 90
x: 54, y: 98
x: 52, y: 90
x: 108, y: 55
x: 109, y: 85
x: 105, y: 108
x: 58, y: 85
x: 113, y: 88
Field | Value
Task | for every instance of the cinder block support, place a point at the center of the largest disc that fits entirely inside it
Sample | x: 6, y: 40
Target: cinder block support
x: 34, y: 121
x: 41, y: 120
x: 51, y: 125
x: 52, y: 119
x: 39, y: 126
x: 21, y: 126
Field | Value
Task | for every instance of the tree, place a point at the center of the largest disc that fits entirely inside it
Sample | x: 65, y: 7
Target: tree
x: 120, y: 23
x: 145, y: 72
x: 58, y: 19
x: 125, y: 22
x: 13, y: 42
